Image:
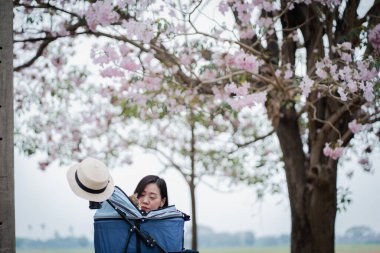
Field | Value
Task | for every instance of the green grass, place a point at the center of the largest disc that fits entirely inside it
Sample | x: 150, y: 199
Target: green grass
x: 358, y: 248
x: 54, y: 251
x: 247, y: 250
x: 339, y: 249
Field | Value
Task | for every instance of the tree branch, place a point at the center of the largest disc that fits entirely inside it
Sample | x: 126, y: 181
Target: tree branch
x: 169, y: 159
x: 36, y: 56
x: 243, y: 145
x: 45, y: 6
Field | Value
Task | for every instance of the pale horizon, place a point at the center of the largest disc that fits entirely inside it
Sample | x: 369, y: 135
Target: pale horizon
x: 43, y: 198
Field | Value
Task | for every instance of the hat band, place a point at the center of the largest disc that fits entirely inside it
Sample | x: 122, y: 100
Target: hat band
x: 86, y: 189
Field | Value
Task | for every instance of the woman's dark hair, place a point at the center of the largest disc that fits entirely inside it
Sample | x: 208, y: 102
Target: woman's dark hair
x: 156, y: 180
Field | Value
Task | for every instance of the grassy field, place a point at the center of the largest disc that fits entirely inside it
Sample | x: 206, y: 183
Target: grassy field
x: 339, y: 249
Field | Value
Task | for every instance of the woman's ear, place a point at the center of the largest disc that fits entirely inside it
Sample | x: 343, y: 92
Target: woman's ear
x: 162, y: 202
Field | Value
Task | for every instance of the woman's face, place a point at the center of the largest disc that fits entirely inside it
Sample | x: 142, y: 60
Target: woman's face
x: 150, y: 199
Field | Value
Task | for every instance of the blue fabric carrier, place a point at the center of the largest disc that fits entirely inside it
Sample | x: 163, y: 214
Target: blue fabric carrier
x: 156, y: 231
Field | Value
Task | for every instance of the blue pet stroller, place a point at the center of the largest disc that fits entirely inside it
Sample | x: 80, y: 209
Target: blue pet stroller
x: 120, y: 227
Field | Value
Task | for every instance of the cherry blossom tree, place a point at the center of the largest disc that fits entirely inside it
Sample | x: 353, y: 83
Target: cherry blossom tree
x: 202, y: 144
x: 313, y: 65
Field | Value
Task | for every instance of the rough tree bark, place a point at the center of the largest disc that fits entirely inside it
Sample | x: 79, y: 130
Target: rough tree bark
x: 194, y: 230
x: 194, y: 233
x: 7, y: 206
x: 311, y: 176
x: 312, y: 191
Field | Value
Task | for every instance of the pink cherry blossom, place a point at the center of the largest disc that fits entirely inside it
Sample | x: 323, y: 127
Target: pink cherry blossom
x: 354, y: 126
x: 294, y: 36
x: 243, y: 89
x: 259, y: 97
x: 221, y: 95
x: 185, y: 59
x: 368, y: 94
x: 43, y: 164
x: 321, y: 73
x: 244, y: 11
x: 62, y: 31
x: 342, y: 94
x: 108, y: 55
x: 265, y: 22
x: 129, y: 65
x: 111, y: 52
x: 247, y: 33
x: 334, y: 72
x: 124, y: 49
x: 368, y: 91
x: 58, y: 62
x: 209, y: 74
x: 346, y: 57
x: 328, y: 2
x: 269, y: 6
x: 101, y: 12
x: 230, y: 88
x: 239, y: 102
x: 352, y: 86
x: 223, y: 7
x: 152, y: 83
x: 365, y: 73
x: 288, y: 74
x: 363, y: 161
x: 345, y: 46
x: 374, y: 37
x: 306, y: 85
x: 244, y: 61
x: 138, y: 30
x: 111, y: 72
x: 334, y: 153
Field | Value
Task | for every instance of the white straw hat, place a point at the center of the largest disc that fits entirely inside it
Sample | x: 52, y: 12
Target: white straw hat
x: 91, y: 180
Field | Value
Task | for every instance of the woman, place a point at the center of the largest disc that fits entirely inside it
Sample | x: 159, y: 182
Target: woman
x: 151, y: 193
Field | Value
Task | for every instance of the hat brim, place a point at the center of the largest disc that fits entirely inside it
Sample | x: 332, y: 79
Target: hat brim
x: 99, y: 197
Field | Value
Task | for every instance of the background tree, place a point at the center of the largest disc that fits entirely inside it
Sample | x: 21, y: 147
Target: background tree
x: 200, y: 143
x: 359, y: 233
x: 313, y: 64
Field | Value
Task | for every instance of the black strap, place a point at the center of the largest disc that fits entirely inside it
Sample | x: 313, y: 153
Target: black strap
x: 86, y: 189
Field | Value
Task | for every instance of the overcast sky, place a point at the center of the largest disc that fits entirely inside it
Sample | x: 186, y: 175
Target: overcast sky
x: 43, y: 198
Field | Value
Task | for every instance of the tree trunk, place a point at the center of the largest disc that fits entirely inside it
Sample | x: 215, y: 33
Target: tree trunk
x: 7, y: 207
x: 312, y: 190
x: 194, y: 237
x: 194, y: 231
